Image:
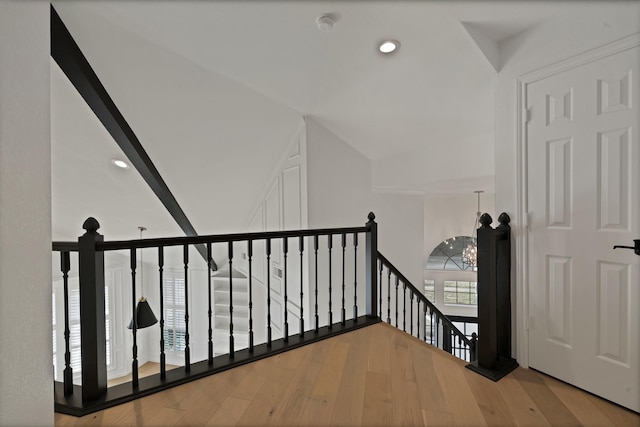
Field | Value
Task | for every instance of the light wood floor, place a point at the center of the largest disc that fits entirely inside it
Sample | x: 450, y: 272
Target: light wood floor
x: 376, y: 376
x: 145, y: 370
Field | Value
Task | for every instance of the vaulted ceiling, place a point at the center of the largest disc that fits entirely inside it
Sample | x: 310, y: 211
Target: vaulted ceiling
x: 215, y: 90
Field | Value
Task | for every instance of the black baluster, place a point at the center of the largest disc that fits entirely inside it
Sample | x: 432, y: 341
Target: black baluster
x: 380, y: 289
x: 411, y: 315
x: 330, y: 245
x: 431, y: 326
x: 315, y: 256
x: 404, y: 307
x: 397, y: 284
x: 210, y: 313
x: 424, y: 316
x: 301, y: 245
x: 388, y: 295
x: 268, y: 249
x: 163, y: 361
x: 438, y: 332
x: 285, y: 250
x: 355, y: 275
x: 344, y: 244
x: 418, y: 317
x: 473, y: 348
x: 187, y: 348
x: 134, y: 329
x: 250, y: 255
x: 65, y: 266
x: 231, y: 342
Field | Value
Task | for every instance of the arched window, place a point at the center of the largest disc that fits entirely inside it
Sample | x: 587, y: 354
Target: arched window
x: 448, y: 255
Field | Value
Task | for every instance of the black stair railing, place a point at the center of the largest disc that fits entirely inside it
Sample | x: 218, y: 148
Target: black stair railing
x: 359, y: 278
x: 428, y: 324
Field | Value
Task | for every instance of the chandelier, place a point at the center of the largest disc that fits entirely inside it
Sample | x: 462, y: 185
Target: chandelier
x: 470, y: 253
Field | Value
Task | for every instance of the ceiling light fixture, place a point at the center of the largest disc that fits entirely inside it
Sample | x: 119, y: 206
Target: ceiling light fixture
x: 470, y: 253
x: 388, y: 46
x: 120, y: 163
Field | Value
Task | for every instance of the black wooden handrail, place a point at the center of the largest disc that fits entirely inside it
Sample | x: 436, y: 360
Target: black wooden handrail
x: 64, y: 246
x: 214, y: 238
x: 461, y: 336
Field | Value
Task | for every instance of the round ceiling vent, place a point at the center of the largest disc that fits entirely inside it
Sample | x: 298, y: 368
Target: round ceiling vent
x: 325, y: 22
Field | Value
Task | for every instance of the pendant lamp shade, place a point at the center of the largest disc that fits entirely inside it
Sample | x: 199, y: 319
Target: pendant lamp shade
x: 144, y: 315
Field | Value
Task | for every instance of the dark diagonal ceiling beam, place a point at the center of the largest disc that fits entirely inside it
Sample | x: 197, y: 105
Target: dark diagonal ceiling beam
x: 73, y: 63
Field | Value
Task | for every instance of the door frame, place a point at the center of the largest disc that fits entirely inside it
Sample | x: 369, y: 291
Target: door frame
x: 522, y: 186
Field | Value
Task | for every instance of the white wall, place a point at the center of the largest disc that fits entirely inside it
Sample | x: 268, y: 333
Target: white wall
x: 340, y: 194
x: 463, y: 163
x: 400, y: 227
x: 569, y: 32
x: 26, y: 369
x: 338, y: 180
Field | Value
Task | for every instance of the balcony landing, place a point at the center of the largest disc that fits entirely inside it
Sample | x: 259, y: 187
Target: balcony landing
x: 373, y: 376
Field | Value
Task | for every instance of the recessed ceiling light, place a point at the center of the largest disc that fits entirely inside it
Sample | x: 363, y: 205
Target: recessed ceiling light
x: 120, y: 163
x: 388, y: 46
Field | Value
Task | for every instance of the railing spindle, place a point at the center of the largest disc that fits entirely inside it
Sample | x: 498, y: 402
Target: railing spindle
x: 187, y: 348
x: 250, y: 256
x: 268, y: 249
x: 418, y: 317
x: 301, y: 246
x: 231, y: 342
x: 404, y: 307
x: 344, y: 244
x: 65, y: 266
x: 315, y: 256
x: 381, y: 267
x: 388, y: 295
x: 424, y: 316
x: 285, y: 251
x: 163, y: 360
x: 397, y: 284
x: 431, y: 325
x: 330, y: 245
x: 355, y: 277
x: 134, y: 329
x: 210, y: 312
x: 411, y: 314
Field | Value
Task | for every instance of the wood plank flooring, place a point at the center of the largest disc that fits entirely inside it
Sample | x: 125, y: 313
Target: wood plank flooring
x: 375, y: 376
x: 145, y: 370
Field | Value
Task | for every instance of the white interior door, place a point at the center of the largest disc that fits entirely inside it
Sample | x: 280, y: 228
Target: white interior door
x: 583, y: 198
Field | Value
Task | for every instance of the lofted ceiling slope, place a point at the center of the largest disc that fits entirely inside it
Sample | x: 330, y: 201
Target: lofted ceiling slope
x: 216, y: 89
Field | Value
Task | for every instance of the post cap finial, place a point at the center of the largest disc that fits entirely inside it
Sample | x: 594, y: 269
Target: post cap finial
x: 486, y: 220
x: 504, y: 218
x: 371, y: 216
x: 91, y: 225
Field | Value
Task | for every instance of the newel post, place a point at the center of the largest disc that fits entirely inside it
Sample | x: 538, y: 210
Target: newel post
x: 371, y: 249
x: 503, y: 292
x: 493, y: 346
x: 92, y: 317
x: 487, y: 309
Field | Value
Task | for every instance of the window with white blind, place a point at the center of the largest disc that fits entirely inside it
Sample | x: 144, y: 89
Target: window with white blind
x: 174, y: 311
x: 460, y: 292
x: 57, y: 300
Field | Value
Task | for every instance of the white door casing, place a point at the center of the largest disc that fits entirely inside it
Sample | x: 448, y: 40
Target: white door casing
x: 581, y: 162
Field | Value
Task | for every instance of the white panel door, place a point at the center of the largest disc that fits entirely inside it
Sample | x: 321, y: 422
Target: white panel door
x: 584, y: 198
